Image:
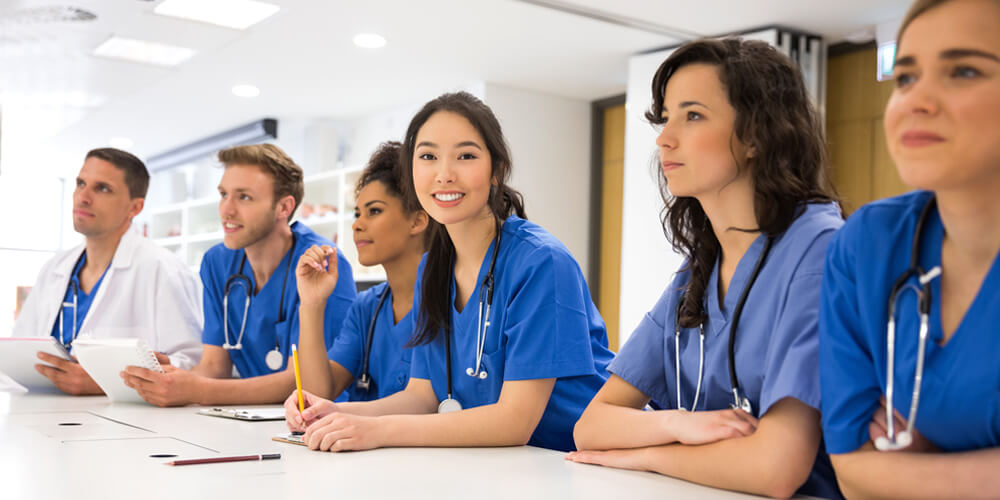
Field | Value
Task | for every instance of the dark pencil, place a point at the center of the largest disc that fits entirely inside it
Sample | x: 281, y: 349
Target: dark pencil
x: 244, y: 458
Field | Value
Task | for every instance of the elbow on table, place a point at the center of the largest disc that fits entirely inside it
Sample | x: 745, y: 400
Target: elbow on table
x: 583, y: 434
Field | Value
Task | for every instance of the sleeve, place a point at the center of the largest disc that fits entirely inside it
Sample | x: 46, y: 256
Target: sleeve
x: 791, y: 365
x: 339, y: 303
x: 349, y: 347
x: 178, y: 315
x: 641, y: 361
x: 212, y: 289
x: 420, y: 357
x: 29, y: 321
x: 847, y: 376
x: 546, y: 327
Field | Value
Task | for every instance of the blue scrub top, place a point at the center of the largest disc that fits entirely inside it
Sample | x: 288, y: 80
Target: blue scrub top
x: 389, y: 362
x: 262, y: 327
x: 543, y: 324
x: 83, y: 302
x: 776, y: 341
x: 959, y: 398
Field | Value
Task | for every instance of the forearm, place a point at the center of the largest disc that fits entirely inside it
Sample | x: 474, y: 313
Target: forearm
x: 971, y: 474
x: 746, y: 464
x: 401, y: 403
x: 490, y: 425
x: 265, y: 389
x: 314, y: 365
x: 605, y: 426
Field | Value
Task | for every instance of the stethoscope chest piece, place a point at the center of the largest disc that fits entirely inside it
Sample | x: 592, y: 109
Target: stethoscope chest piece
x: 449, y: 405
x: 274, y: 359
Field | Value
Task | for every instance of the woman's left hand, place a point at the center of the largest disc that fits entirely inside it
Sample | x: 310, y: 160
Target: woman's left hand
x: 633, y: 459
x: 342, y: 432
x: 878, y: 427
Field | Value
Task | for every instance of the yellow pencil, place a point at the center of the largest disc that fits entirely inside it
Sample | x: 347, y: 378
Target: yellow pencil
x: 298, y: 378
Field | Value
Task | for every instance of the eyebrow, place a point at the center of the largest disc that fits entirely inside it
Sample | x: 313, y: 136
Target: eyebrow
x: 688, y: 104
x: 459, y: 145
x: 950, y: 55
x: 373, y: 201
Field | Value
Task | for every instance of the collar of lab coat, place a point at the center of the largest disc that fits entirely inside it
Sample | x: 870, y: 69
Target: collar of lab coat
x: 122, y: 258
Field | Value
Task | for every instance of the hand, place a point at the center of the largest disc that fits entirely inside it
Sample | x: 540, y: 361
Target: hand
x: 703, y: 427
x: 176, y: 387
x: 632, y: 459
x: 879, y: 427
x: 316, y: 274
x: 343, y: 431
x: 163, y: 359
x: 316, y: 408
x: 68, y: 376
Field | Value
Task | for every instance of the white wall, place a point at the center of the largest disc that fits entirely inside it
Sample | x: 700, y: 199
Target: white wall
x: 549, y: 138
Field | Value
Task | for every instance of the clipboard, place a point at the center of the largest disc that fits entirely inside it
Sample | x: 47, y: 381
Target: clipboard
x: 290, y: 438
x: 248, y: 414
x: 18, y: 359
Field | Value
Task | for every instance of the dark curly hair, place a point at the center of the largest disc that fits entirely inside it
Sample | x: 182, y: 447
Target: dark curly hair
x: 384, y: 166
x: 775, y: 117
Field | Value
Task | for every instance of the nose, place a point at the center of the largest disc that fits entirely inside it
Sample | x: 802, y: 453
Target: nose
x: 921, y: 97
x: 445, y: 173
x: 225, y: 207
x: 82, y: 196
x: 666, y: 137
x: 357, y: 226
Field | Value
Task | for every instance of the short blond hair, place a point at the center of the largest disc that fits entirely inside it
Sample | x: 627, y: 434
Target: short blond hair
x: 287, y: 175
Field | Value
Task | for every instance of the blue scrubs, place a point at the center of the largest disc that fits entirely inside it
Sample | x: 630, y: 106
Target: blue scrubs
x: 776, y: 342
x: 959, y: 398
x: 389, y: 362
x: 543, y: 324
x: 262, y: 326
x: 83, y: 302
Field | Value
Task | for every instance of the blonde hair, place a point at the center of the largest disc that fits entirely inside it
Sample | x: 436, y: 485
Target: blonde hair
x: 271, y: 159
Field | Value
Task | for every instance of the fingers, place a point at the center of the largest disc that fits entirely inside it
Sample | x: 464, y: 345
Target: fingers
x: 161, y: 358
x: 586, y: 457
x: 748, y: 418
x: 292, y: 416
x: 137, y: 372
x: 58, y: 362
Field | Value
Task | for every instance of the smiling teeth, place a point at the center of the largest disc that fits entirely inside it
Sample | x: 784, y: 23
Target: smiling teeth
x: 448, y: 196
x: 229, y: 225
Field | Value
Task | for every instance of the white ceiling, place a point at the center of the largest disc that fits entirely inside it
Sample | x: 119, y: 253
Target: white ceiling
x: 59, y: 100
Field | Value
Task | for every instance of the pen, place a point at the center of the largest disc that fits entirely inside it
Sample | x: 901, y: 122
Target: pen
x: 244, y: 458
x: 298, y: 378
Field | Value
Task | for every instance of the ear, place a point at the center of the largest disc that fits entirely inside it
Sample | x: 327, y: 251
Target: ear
x: 751, y: 152
x: 135, y: 207
x: 420, y: 221
x: 285, y: 206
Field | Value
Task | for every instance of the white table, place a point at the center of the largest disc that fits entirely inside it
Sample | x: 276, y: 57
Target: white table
x: 107, y: 456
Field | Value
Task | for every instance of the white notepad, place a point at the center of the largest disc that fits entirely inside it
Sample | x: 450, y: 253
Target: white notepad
x: 18, y: 357
x: 104, y: 359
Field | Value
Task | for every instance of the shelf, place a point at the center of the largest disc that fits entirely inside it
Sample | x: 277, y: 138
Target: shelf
x: 169, y: 241
x: 196, y: 238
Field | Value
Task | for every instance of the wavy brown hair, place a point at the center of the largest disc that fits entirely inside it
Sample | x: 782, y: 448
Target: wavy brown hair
x: 435, y: 307
x: 775, y: 117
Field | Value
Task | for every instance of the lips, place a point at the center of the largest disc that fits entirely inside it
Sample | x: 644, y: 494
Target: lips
x: 79, y: 212
x: 670, y: 165
x: 230, y: 227
x: 448, y: 198
x: 920, y: 138
x: 362, y: 243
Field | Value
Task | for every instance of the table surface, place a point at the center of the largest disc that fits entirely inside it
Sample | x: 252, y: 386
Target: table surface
x: 105, y: 453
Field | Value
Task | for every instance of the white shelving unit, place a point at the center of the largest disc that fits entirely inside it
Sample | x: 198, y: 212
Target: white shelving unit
x: 182, y: 216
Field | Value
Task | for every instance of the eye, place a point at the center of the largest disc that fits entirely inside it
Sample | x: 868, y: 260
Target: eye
x: 374, y: 211
x: 104, y: 189
x: 693, y: 116
x: 965, y: 72
x: 467, y: 156
x: 427, y: 157
x: 79, y: 183
x: 904, y: 79
x: 245, y: 197
x: 357, y: 214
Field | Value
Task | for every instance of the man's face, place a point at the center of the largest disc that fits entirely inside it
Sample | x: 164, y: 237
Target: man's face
x: 246, y: 205
x: 101, y: 201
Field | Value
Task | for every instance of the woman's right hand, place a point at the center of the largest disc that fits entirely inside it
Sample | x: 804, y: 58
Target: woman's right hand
x: 703, y: 427
x: 316, y: 408
x: 316, y: 274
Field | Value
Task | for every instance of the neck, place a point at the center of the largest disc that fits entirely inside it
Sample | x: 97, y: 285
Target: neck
x: 969, y: 218
x: 265, y: 254
x: 472, y: 239
x: 101, y: 249
x: 401, y: 274
x: 732, y: 207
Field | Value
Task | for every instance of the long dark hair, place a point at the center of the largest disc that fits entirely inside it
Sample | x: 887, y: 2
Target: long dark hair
x: 435, y: 308
x: 775, y: 117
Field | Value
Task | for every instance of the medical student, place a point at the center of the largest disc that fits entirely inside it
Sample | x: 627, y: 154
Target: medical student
x: 911, y: 293
x: 728, y: 353
x: 509, y: 346
x: 369, y: 357
x: 251, y: 302
x: 117, y: 284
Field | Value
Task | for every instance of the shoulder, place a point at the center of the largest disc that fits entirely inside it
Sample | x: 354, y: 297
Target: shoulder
x: 305, y: 237
x: 888, y: 217
x: 368, y: 299
x: 532, y: 244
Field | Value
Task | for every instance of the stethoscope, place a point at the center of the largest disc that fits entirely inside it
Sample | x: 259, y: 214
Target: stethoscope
x: 74, y: 290
x: 893, y: 441
x: 274, y: 358
x: 485, y: 289
x: 740, y: 401
x: 364, y: 381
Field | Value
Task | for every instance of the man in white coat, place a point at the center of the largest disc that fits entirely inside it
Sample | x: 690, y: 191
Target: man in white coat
x: 118, y: 283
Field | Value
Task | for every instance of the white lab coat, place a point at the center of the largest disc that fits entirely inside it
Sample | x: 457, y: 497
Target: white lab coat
x: 147, y: 293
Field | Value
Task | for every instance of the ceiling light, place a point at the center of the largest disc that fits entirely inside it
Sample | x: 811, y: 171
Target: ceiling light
x: 369, y: 40
x: 244, y: 90
x: 120, y: 142
x: 142, y: 51
x: 236, y: 14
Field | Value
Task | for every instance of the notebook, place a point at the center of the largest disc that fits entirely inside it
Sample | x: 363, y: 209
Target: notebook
x: 104, y: 359
x: 252, y: 414
x: 291, y: 438
x: 18, y: 357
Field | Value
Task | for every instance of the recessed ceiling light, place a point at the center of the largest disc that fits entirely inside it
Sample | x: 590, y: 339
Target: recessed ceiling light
x: 142, y: 51
x: 236, y: 14
x: 120, y: 142
x: 244, y: 90
x: 369, y: 40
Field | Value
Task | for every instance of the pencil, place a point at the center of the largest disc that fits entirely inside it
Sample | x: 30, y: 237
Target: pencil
x: 298, y: 378
x: 215, y: 460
